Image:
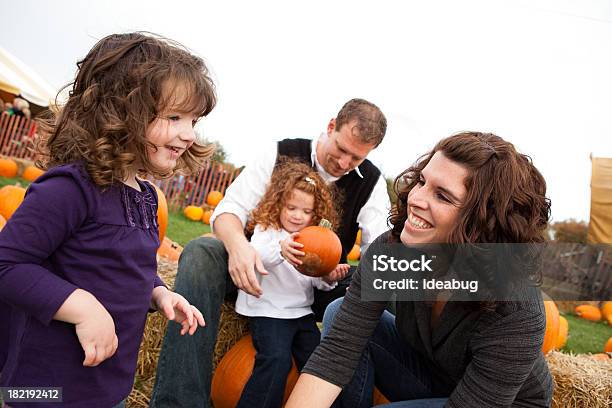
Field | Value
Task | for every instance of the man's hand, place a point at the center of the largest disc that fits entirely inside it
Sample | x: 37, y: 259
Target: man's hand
x: 337, y: 274
x: 290, y: 250
x: 243, y: 261
x: 175, y: 307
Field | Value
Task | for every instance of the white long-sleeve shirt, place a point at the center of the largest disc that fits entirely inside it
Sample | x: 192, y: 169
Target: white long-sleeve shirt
x: 287, y: 294
x: 243, y: 195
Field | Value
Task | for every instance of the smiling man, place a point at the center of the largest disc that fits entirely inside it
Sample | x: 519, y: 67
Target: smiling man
x: 211, y: 269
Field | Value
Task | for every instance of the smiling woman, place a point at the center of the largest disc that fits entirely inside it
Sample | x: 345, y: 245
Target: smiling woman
x: 435, y: 201
x: 471, y: 188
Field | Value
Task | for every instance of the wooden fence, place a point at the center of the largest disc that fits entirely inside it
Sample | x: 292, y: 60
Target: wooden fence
x: 16, y: 136
x: 16, y: 140
x: 578, y: 271
x: 182, y: 191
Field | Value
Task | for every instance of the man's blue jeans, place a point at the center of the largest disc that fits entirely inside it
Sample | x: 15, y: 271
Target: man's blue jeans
x: 184, y: 368
x: 399, y: 372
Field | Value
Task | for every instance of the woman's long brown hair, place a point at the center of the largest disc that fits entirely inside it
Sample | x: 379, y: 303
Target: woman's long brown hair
x: 506, y: 195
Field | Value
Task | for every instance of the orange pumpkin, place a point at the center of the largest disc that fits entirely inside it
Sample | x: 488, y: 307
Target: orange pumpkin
x: 193, y: 212
x: 379, y: 398
x: 608, y: 347
x: 206, y: 216
x: 562, y: 337
x: 170, y: 250
x: 602, y: 356
x: 552, y: 326
x: 233, y: 372
x: 606, y: 312
x: 358, y: 239
x: 213, y: 198
x: 8, y: 168
x: 322, y: 247
x: 31, y: 173
x: 2, y: 222
x: 588, y: 312
x: 162, y: 214
x: 10, y: 198
x: 355, y: 253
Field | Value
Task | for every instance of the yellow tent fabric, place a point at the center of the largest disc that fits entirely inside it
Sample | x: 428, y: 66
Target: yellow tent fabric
x: 18, y: 79
x: 600, y: 224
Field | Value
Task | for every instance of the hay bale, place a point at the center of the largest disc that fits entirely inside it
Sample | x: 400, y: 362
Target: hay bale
x: 580, y: 381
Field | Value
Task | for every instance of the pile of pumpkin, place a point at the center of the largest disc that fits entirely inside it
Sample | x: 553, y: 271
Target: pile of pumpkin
x: 595, y: 314
x: 557, y: 326
x: 197, y: 213
x: 11, y: 196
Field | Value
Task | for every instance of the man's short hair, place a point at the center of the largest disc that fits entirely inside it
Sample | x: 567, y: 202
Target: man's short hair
x: 371, y: 123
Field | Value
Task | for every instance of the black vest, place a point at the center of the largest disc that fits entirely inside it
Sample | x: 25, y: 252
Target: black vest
x: 355, y: 190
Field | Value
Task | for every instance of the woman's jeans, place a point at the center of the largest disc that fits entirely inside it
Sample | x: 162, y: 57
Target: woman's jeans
x: 400, y: 373
x: 276, y: 342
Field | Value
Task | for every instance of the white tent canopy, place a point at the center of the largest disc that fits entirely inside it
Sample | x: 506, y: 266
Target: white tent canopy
x: 19, y: 79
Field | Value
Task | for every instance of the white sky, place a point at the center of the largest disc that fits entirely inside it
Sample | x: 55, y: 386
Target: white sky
x: 536, y: 72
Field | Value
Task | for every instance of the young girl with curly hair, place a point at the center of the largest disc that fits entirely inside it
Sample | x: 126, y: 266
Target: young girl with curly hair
x: 281, y: 320
x: 78, y: 258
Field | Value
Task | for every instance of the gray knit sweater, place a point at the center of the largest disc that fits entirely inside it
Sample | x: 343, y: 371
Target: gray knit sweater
x: 480, y: 358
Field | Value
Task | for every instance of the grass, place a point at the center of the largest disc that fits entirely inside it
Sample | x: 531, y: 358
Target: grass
x: 5, y: 181
x: 585, y: 336
x: 183, y: 230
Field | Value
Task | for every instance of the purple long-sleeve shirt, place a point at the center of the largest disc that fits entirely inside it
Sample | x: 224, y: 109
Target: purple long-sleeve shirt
x: 69, y: 234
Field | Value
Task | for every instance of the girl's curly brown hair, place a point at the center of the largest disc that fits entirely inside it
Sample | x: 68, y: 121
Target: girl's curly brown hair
x: 290, y: 174
x: 506, y: 195
x: 116, y: 95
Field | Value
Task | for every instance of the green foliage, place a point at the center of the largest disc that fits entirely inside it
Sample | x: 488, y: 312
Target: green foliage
x: 571, y: 231
x: 392, y: 195
x: 220, y: 155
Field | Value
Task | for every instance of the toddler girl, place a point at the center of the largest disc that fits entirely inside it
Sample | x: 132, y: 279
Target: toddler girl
x: 281, y: 320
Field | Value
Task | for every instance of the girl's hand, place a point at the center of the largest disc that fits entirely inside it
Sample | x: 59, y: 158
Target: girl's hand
x: 94, y: 326
x: 175, y: 307
x: 97, y: 337
x: 337, y: 274
x: 290, y: 250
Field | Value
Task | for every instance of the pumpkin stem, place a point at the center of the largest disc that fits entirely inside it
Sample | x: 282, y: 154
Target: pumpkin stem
x: 325, y: 223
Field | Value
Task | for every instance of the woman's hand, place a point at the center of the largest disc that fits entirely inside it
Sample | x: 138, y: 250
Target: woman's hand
x: 176, y: 308
x: 337, y: 274
x: 290, y: 250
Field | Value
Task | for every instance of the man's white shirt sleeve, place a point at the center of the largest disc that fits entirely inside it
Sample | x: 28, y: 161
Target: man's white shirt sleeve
x: 372, y: 218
